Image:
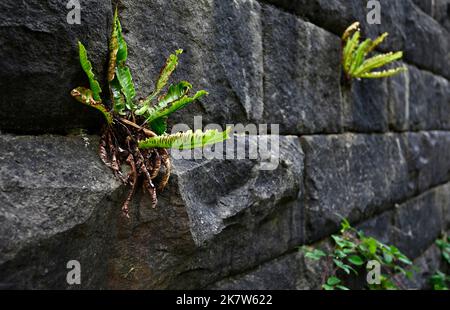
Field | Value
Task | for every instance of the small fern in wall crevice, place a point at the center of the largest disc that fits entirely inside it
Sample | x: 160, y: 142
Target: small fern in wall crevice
x: 354, y: 56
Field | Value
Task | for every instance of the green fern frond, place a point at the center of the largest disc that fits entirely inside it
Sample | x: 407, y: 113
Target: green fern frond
x: 384, y: 73
x: 351, y: 29
x: 87, y: 67
x: 174, y: 106
x: 377, y: 41
x: 118, y: 99
x: 376, y: 62
x: 186, y: 140
x: 166, y: 72
x: 354, y: 54
x: 113, y: 48
x: 86, y: 96
x: 123, y: 75
x: 119, y: 75
x: 349, y: 49
x: 159, y: 126
x: 122, y: 51
x: 359, y: 55
x: 174, y: 93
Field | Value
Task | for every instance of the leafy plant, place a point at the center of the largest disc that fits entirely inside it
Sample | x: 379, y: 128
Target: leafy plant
x: 439, y: 280
x: 135, y: 130
x: 354, y: 55
x: 353, y: 250
x: 444, y: 245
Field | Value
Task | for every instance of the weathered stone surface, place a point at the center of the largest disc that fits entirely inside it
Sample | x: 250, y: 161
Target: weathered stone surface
x: 413, y: 225
x: 291, y: 271
x: 223, y: 53
x: 219, y: 216
x: 302, y: 75
x: 351, y: 175
x: 429, y: 101
x: 418, y: 222
x: 223, y: 223
x: 40, y: 64
x: 419, y: 100
x: 428, y: 156
x: 399, y: 109
x: 427, y: 264
x: 425, y: 42
x: 380, y: 227
x: 280, y: 274
x: 332, y: 15
x: 438, y: 9
x: 443, y: 199
x: 56, y: 203
x: 366, y: 106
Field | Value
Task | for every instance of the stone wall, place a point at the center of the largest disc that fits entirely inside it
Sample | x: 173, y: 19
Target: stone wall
x: 376, y: 152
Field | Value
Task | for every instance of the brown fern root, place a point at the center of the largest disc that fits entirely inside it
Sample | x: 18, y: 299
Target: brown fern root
x: 134, y: 178
x: 119, y: 144
x: 156, y: 164
x: 102, y: 149
x: 168, y: 165
x: 151, y: 189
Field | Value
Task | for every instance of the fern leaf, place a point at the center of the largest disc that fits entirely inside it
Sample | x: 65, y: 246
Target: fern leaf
x: 122, y: 51
x: 354, y: 54
x: 376, y: 62
x: 113, y: 49
x: 352, y: 28
x: 349, y: 50
x: 119, y: 75
x: 126, y: 82
x: 377, y: 42
x: 87, y: 67
x: 86, y: 96
x: 384, y: 73
x: 174, y: 106
x: 159, y: 126
x: 117, y: 97
x: 186, y: 140
x: 166, y: 72
x: 359, y: 55
x: 174, y: 93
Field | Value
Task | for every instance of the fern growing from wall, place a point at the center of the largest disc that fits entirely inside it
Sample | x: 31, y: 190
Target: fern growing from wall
x: 135, y: 130
x: 354, y: 56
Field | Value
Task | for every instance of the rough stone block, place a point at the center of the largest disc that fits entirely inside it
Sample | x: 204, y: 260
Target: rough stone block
x: 443, y: 200
x: 418, y: 222
x: 351, y: 175
x: 301, y: 75
x: 366, y: 106
x: 40, y: 63
x: 429, y: 101
x: 427, y: 264
x: 399, y: 101
x: 56, y: 204
x: 427, y: 154
x: 279, y: 274
x: 438, y: 9
x: 223, y: 53
x: 413, y: 225
x: 419, y: 100
x: 218, y: 217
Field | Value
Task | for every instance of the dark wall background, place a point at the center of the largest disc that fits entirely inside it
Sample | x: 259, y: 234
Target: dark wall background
x: 376, y: 152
